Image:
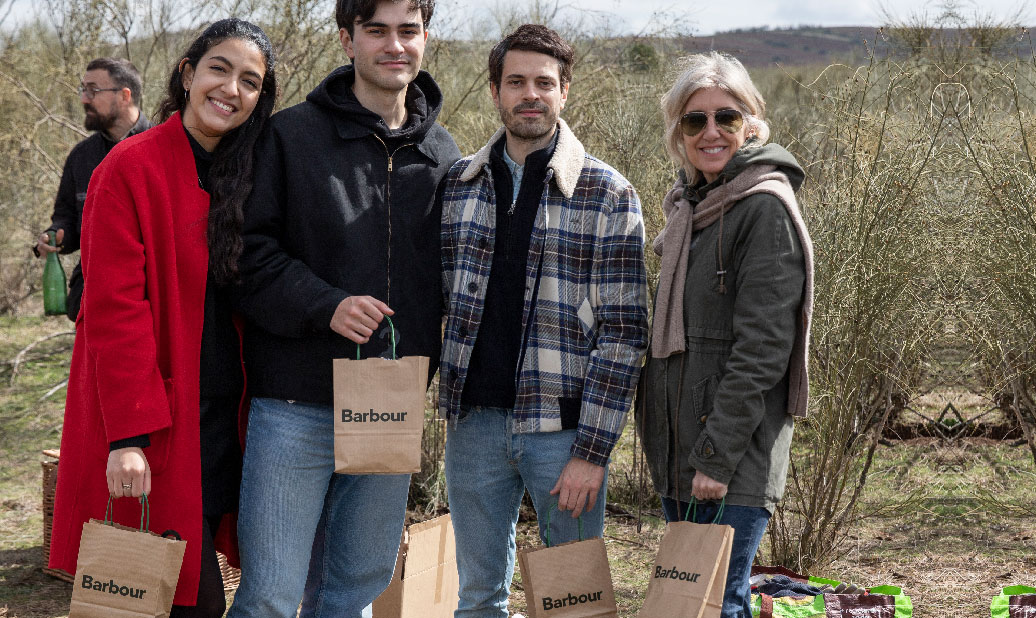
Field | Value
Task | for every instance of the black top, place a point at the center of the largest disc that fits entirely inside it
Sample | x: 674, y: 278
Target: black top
x: 221, y: 374
x: 494, y: 357
x: 341, y: 206
x: 68, y: 204
x: 221, y: 384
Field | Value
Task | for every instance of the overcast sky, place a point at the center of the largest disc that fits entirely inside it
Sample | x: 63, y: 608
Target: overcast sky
x: 710, y: 17
x: 632, y: 16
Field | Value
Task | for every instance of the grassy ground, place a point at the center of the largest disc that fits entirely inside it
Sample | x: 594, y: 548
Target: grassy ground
x: 967, y: 537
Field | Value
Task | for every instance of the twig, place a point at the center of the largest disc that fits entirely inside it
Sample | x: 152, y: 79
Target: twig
x: 39, y: 104
x: 20, y: 356
x: 53, y: 390
x: 629, y: 541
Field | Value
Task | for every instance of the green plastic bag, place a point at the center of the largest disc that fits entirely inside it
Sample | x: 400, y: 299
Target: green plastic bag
x: 1002, y: 607
x: 815, y: 607
x: 787, y: 607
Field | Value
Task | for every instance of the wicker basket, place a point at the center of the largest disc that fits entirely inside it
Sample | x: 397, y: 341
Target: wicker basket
x: 231, y: 576
x: 50, y: 484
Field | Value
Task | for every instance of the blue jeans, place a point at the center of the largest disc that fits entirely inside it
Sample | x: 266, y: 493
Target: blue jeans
x: 287, y: 482
x: 749, y: 523
x: 315, y: 581
x: 488, y: 469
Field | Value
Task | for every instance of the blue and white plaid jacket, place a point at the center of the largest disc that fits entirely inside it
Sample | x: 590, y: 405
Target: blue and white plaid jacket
x: 586, y: 330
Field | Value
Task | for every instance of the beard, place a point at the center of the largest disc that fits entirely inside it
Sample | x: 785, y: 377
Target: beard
x: 529, y: 128
x: 96, y: 121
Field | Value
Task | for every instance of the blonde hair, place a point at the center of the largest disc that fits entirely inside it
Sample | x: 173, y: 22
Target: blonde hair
x: 711, y: 70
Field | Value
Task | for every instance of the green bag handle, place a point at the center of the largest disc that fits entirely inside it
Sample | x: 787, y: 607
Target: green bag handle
x: 392, y: 331
x: 554, y: 507
x: 145, y: 513
x: 1016, y: 590
x: 694, y: 503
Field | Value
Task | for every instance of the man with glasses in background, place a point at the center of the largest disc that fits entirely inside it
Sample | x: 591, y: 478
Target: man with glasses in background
x: 110, y: 94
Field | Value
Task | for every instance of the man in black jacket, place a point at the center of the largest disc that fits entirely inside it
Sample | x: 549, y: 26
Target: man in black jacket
x: 110, y: 94
x: 341, y: 229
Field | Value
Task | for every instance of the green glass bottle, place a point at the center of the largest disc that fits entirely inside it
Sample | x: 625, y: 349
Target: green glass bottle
x: 55, y: 288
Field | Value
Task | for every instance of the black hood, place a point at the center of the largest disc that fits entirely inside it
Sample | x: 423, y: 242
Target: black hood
x: 423, y: 103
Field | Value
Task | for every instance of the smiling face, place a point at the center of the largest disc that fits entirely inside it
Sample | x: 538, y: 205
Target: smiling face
x: 387, y: 49
x: 710, y: 150
x: 530, y: 96
x: 223, y: 89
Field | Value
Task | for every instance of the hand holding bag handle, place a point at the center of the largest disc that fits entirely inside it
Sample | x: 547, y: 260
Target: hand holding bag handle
x: 554, y: 507
x: 145, y: 513
x: 145, y: 518
x: 379, y: 410
x: 694, y: 503
x: 392, y: 332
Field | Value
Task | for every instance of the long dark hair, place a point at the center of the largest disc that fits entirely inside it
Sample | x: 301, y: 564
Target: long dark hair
x: 234, y: 158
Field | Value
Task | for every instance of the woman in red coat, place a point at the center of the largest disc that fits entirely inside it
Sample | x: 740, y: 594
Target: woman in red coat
x: 156, y: 379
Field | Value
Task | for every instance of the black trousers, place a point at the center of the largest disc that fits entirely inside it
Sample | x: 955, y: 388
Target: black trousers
x: 212, y: 602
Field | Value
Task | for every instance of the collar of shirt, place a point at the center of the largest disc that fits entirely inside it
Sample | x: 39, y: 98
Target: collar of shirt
x: 516, y: 175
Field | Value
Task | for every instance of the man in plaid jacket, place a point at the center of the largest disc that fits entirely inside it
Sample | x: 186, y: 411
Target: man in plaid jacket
x: 546, y: 302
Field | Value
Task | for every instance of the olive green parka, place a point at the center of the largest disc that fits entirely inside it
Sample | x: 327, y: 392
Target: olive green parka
x: 721, y: 406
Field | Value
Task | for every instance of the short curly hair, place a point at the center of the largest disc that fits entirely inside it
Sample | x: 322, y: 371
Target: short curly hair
x: 533, y: 38
x: 711, y: 70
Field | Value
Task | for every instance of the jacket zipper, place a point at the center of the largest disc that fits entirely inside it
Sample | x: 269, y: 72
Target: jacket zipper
x: 388, y: 205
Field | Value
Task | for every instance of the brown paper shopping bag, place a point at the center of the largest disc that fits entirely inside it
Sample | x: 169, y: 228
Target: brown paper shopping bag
x: 425, y: 583
x: 379, y: 413
x: 570, y: 580
x: 690, y: 570
x: 125, y: 572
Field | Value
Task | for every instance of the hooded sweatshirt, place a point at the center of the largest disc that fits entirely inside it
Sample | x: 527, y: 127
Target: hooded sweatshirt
x: 341, y: 206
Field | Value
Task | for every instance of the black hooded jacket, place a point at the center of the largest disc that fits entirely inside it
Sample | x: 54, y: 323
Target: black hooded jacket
x: 341, y: 206
x: 68, y: 204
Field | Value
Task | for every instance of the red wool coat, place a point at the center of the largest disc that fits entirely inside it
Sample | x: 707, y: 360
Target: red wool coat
x: 135, y: 363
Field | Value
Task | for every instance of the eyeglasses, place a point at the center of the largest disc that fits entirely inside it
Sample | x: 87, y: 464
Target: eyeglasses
x: 91, y: 91
x: 693, y: 123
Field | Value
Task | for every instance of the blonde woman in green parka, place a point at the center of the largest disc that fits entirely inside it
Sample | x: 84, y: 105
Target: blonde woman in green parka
x: 726, y: 372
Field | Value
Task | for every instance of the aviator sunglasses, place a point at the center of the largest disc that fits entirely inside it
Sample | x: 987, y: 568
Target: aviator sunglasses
x: 693, y: 123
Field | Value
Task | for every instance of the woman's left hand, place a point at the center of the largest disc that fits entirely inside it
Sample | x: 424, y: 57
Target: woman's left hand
x: 705, y: 488
x: 128, y: 473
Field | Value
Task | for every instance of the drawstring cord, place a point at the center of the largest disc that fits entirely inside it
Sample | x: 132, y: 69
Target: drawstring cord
x: 722, y: 272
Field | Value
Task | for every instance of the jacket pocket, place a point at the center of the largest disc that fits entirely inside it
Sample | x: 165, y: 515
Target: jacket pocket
x: 158, y: 453
x: 703, y: 393
x: 697, y: 403
x: 702, y: 340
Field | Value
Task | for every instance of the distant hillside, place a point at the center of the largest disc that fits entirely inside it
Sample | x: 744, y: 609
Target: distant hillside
x: 760, y: 47
x: 796, y: 46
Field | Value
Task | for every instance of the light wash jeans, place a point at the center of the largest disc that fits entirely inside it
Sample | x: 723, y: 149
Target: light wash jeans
x: 488, y: 469
x: 287, y: 482
x: 749, y: 524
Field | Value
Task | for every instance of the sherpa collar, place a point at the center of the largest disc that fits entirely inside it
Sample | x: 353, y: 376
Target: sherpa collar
x: 567, y: 161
